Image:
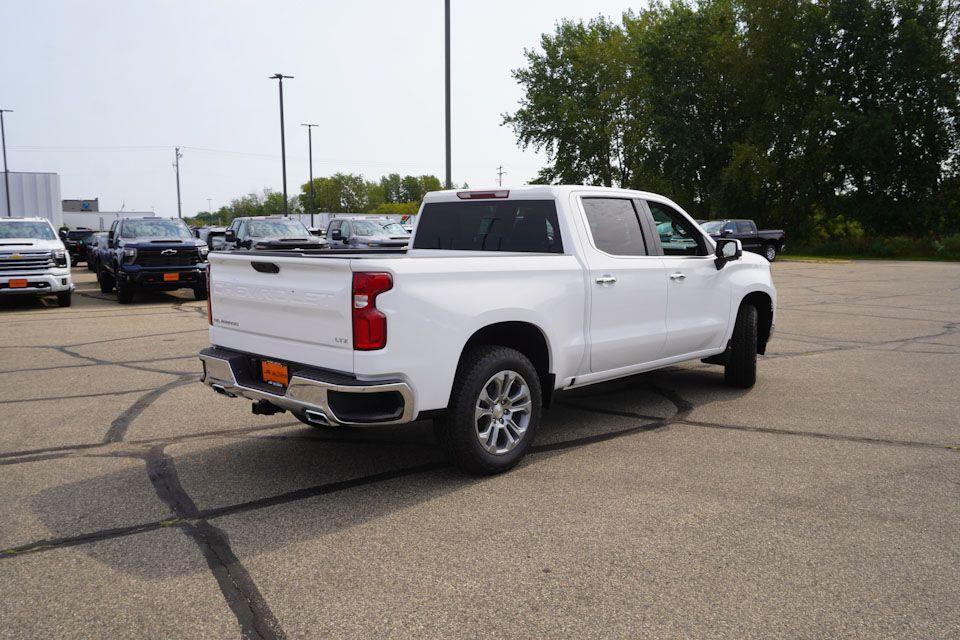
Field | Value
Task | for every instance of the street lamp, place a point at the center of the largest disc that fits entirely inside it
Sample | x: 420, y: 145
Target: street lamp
x: 6, y: 172
x: 283, y: 145
x: 310, y: 145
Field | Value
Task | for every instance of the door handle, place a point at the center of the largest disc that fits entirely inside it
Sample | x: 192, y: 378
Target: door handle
x: 677, y: 276
x: 606, y: 280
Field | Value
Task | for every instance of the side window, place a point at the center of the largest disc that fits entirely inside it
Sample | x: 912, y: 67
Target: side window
x: 678, y: 235
x: 334, y: 225
x: 745, y: 226
x: 615, y: 226
x: 345, y: 231
x: 730, y: 226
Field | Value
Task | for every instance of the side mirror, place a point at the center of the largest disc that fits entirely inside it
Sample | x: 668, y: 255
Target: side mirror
x: 230, y: 236
x: 727, y: 249
x: 110, y: 239
x: 336, y: 235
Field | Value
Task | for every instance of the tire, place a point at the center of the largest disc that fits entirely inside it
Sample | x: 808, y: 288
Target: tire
x: 91, y: 266
x: 479, y: 380
x: 104, y: 279
x: 770, y: 253
x: 65, y: 298
x: 124, y: 293
x: 200, y: 293
x: 741, y: 367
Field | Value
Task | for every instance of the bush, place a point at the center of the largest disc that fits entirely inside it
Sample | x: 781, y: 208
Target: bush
x: 950, y: 248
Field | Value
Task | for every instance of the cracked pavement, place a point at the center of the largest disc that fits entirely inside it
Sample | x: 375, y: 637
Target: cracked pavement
x: 823, y: 502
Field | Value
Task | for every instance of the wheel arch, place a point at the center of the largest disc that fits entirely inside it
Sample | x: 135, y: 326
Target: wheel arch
x: 763, y: 303
x: 525, y: 337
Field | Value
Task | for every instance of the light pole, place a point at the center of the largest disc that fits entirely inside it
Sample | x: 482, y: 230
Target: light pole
x: 446, y: 24
x: 6, y: 172
x: 283, y: 144
x: 310, y: 145
x: 209, y: 206
x: 176, y: 165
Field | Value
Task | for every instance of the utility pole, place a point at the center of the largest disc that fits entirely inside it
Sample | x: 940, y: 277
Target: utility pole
x: 310, y: 145
x: 6, y: 172
x: 176, y: 165
x: 283, y: 144
x: 500, y: 173
x: 209, y: 206
x: 446, y: 24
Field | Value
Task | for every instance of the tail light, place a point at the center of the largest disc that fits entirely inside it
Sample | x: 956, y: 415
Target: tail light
x: 209, y: 293
x: 369, y: 323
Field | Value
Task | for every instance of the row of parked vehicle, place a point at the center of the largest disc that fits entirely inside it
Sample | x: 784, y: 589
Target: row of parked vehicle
x: 164, y: 254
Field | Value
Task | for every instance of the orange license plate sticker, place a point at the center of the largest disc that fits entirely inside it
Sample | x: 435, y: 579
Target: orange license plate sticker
x: 274, y: 372
x: 171, y: 277
x: 18, y: 283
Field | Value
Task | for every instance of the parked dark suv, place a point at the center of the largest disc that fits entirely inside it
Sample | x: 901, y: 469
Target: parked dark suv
x: 270, y: 233
x: 158, y: 254
x: 75, y: 241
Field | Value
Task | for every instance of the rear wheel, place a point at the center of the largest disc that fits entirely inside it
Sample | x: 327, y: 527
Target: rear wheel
x: 200, y: 293
x: 494, y: 410
x: 65, y: 298
x: 104, y: 279
x: 770, y: 253
x: 741, y: 366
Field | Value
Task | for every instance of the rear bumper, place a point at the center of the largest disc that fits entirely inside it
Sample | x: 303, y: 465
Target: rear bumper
x: 322, y: 397
x: 38, y: 284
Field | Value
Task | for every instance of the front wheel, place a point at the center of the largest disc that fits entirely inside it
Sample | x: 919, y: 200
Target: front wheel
x: 494, y: 411
x: 65, y: 298
x: 770, y: 253
x: 200, y: 293
x: 124, y: 293
x: 741, y: 366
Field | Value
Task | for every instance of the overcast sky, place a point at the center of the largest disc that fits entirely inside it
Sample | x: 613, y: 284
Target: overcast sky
x: 103, y: 91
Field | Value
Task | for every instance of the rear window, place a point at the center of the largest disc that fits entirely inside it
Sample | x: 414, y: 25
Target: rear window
x: 527, y: 226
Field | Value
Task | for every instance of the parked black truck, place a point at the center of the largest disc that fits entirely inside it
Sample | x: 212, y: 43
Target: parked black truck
x: 158, y: 254
x: 767, y: 242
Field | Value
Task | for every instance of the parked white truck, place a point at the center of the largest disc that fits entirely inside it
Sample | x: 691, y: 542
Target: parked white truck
x: 33, y: 260
x: 504, y: 297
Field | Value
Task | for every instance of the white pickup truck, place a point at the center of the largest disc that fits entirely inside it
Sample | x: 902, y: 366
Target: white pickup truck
x: 504, y: 297
x: 33, y: 260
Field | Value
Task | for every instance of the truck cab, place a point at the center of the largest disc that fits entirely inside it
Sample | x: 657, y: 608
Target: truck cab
x: 33, y: 260
x: 262, y: 233
x: 157, y: 254
x: 363, y: 233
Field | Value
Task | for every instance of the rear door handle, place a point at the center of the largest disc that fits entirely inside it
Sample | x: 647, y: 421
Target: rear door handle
x: 606, y: 280
x: 677, y: 276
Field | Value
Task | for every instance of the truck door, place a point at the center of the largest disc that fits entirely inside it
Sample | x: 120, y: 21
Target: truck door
x: 627, y: 286
x: 698, y: 298
x: 747, y: 232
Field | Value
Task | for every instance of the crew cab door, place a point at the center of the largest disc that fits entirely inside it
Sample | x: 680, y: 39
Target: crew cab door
x: 748, y: 236
x: 698, y: 294
x: 627, y: 286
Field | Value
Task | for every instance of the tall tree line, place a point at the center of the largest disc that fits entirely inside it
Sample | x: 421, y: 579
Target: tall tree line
x: 787, y: 111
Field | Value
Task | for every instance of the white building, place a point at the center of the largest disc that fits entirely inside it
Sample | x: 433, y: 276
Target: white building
x: 32, y: 194
x: 99, y: 220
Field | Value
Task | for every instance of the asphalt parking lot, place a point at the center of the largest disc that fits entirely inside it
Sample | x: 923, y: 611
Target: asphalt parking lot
x: 134, y: 502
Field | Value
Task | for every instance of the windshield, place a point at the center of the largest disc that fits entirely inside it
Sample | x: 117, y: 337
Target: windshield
x: 712, y: 226
x: 367, y: 228
x: 155, y: 228
x: 394, y: 228
x: 277, y: 229
x: 26, y: 229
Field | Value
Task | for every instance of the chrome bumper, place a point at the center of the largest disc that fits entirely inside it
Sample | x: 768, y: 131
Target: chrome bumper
x: 305, y: 396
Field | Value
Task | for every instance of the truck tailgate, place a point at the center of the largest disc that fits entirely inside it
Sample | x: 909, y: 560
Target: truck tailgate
x: 285, y: 307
